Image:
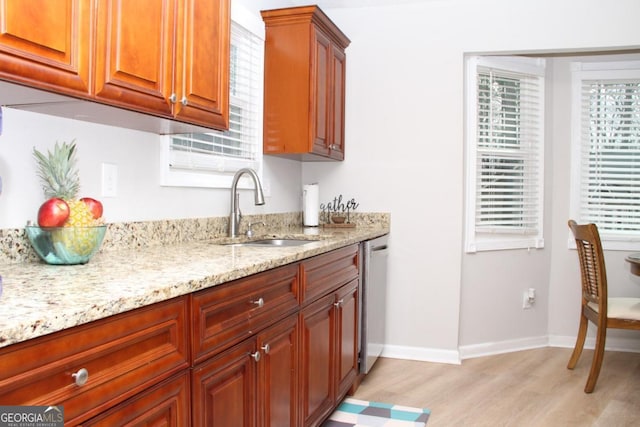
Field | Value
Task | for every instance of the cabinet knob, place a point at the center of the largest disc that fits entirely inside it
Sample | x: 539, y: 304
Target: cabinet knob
x: 266, y: 348
x: 259, y: 302
x: 82, y: 376
x: 173, y: 98
x: 184, y: 101
x: 339, y: 303
x: 255, y: 356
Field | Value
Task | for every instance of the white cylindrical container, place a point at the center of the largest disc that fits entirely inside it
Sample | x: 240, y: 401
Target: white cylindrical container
x: 310, y: 205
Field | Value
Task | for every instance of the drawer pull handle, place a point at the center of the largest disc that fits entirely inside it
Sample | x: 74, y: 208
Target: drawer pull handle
x: 339, y: 303
x: 184, y: 101
x: 255, y: 356
x: 82, y: 376
x: 259, y: 302
x: 266, y: 348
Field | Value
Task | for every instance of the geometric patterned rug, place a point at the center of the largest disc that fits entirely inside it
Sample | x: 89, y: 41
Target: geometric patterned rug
x: 361, y: 413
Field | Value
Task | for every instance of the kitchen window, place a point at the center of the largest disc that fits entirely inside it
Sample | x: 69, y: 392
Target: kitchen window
x: 211, y: 159
x: 605, y: 184
x: 504, y: 153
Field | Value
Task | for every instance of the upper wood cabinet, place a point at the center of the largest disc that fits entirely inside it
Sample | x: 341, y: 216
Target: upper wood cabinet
x: 135, y: 54
x: 47, y: 44
x: 304, y: 91
x: 165, y: 57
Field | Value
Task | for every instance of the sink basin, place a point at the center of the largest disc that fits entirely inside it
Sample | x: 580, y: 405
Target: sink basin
x: 273, y: 242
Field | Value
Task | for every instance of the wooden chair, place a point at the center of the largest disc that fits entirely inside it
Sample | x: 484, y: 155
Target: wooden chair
x: 604, y: 312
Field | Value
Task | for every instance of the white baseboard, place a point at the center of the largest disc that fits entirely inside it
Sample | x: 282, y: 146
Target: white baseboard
x: 487, y: 349
x: 613, y: 343
x: 422, y: 354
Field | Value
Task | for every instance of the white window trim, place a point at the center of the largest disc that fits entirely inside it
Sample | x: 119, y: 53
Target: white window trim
x: 589, y: 71
x: 475, y: 242
x: 209, y: 179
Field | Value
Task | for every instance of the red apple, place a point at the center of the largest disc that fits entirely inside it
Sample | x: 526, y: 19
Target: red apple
x: 94, y: 206
x: 53, y: 213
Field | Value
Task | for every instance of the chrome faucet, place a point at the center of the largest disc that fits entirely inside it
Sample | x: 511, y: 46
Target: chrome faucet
x: 235, y: 216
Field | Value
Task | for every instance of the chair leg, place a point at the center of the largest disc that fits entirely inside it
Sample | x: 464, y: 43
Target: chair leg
x: 582, y: 335
x: 598, y: 356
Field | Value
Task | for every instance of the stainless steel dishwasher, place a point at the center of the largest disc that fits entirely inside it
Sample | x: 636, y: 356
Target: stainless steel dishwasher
x: 373, y: 299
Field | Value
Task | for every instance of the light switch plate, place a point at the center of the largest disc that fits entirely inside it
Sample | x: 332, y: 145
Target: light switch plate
x: 109, y: 180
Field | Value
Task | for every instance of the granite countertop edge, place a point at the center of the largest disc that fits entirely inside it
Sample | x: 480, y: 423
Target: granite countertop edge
x: 38, y: 299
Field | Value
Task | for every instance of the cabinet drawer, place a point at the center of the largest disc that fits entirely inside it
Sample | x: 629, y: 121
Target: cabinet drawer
x: 167, y: 404
x: 123, y: 355
x: 327, y: 272
x: 229, y: 313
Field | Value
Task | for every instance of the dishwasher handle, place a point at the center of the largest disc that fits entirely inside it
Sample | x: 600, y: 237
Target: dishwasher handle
x: 380, y: 248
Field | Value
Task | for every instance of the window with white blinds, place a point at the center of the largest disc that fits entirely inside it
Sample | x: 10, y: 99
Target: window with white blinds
x: 606, y: 139
x: 211, y: 159
x: 505, y: 104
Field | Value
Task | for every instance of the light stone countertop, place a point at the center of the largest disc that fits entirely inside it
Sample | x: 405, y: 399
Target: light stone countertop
x: 38, y: 299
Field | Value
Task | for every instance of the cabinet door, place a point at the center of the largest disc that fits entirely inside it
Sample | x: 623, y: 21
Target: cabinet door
x: 278, y: 374
x: 337, y: 96
x: 318, y: 355
x: 321, y: 105
x: 168, y: 404
x: 347, y: 337
x: 135, y: 54
x: 47, y: 44
x: 202, y: 63
x: 224, y: 388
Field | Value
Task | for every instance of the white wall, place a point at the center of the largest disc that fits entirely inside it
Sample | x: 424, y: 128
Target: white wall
x: 405, y: 154
x: 136, y: 154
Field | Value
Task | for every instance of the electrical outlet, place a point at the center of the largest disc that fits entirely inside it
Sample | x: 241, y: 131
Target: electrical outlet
x: 526, y: 304
x: 528, y: 298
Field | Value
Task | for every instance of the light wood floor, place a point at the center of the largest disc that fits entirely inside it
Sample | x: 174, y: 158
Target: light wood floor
x: 526, y: 388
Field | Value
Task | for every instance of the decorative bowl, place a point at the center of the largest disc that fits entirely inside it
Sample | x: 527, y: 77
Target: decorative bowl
x: 338, y: 219
x: 66, y: 245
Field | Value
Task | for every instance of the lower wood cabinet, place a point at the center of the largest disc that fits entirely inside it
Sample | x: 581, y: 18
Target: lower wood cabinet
x: 278, y: 386
x: 167, y: 404
x: 289, y: 366
x: 253, y: 383
x: 253, y: 352
x: 329, y: 363
x: 92, y: 368
x: 317, y: 365
x: 347, y: 312
x: 224, y: 388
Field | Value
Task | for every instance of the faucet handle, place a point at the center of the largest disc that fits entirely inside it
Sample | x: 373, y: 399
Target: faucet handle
x: 250, y: 230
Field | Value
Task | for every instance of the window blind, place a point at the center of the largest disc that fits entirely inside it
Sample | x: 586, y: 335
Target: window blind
x: 504, y: 153
x: 610, y: 155
x: 241, y: 145
x: 508, y: 152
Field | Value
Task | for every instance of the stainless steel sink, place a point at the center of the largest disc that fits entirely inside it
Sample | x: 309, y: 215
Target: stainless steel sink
x: 273, y: 243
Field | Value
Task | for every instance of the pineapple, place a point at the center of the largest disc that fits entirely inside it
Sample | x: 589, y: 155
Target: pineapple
x: 59, y: 175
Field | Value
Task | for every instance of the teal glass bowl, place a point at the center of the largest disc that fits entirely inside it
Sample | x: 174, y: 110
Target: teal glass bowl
x: 66, y: 245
